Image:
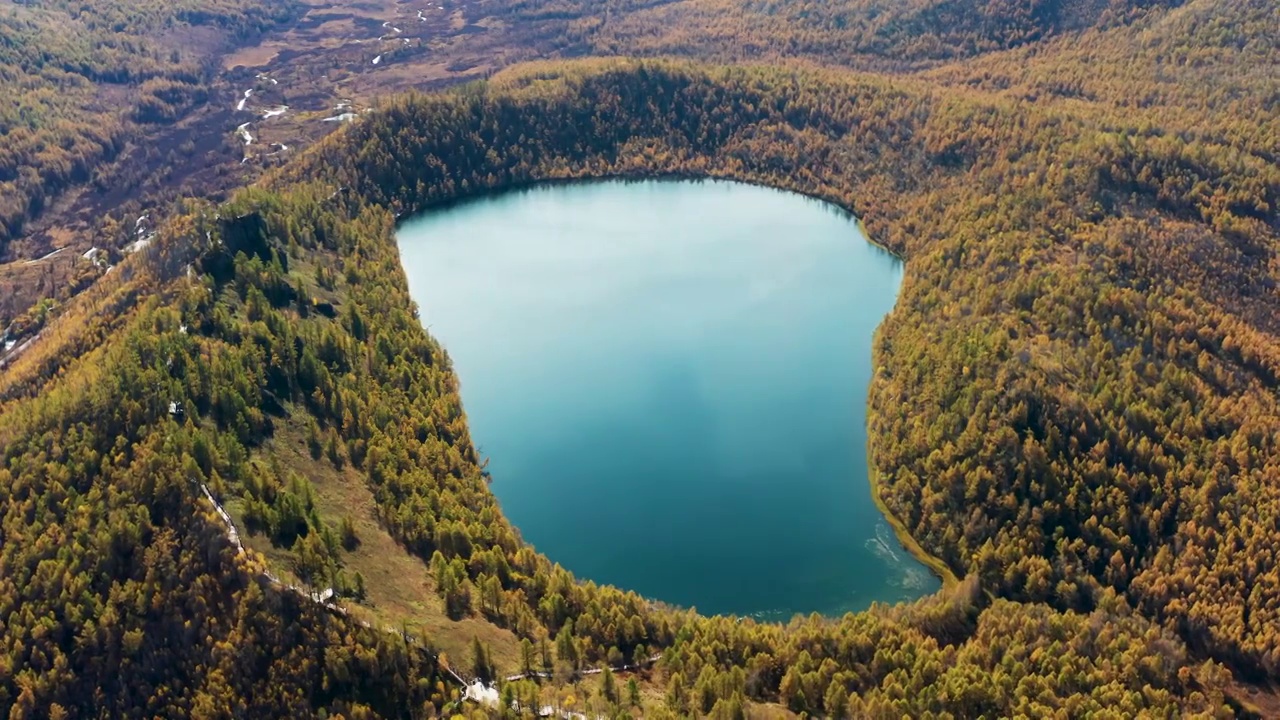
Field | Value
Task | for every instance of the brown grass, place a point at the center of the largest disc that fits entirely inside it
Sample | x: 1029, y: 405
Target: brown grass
x: 768, y: 711
x: 252, y: 57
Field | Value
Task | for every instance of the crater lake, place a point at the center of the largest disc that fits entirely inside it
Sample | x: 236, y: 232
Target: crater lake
x: 669, y: 380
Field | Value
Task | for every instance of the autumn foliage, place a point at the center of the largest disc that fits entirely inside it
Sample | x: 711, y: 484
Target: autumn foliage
x: 1074, y: 404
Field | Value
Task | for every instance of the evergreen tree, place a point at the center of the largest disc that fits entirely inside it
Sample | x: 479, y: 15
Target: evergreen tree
x: 483, y: 668
x: 608, y: 687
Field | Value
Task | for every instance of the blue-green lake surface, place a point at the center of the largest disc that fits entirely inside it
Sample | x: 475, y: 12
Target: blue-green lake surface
x: 669, y: 379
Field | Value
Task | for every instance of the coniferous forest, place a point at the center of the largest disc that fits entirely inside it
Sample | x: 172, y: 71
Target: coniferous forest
x: 1074, y: 412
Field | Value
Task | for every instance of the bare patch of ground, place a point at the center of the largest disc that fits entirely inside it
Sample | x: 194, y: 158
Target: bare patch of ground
x: 255, y: 56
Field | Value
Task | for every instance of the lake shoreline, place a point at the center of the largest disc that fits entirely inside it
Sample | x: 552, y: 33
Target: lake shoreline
x: 908, y: 542
x: 798, y: 273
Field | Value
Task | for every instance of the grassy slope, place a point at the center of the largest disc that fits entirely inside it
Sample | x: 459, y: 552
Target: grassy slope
x: 401, y: 591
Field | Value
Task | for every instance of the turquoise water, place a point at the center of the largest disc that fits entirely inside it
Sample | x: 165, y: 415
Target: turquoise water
x: 669, y: 379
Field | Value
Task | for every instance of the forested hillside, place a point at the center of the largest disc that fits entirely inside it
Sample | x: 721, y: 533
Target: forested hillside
x: 859, y: 33
x: 1074, y: 407
x: 120, y: 593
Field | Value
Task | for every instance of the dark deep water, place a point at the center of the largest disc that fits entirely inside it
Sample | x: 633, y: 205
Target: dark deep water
x: 670, y: 379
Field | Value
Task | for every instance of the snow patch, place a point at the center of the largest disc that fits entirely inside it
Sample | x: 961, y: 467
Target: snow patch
x: 46, y: 257
x: 226, y: 519
x: 275, y: 112
x: 344, y: 117
x: 243, y: 100
x: 377, y: 60
x: 483, y: 694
